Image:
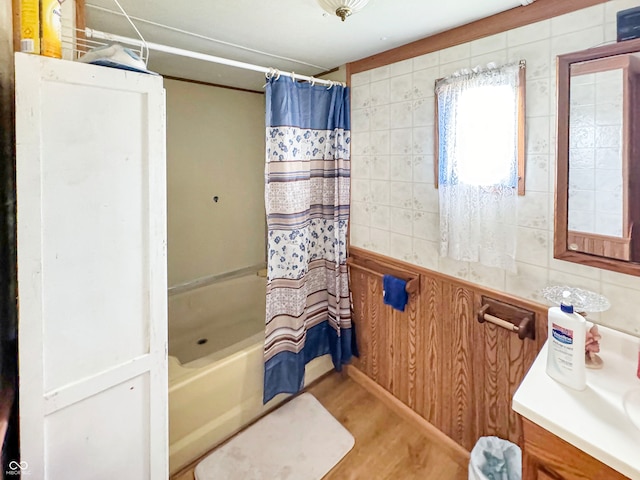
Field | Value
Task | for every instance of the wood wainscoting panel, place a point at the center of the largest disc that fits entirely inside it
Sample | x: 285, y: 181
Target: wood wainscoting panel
x: 358, y: 285
x: 403, y: 351
x: 387, y: 342
x: 459, y: 378
x: 429, y: 387
x: 435, y: 357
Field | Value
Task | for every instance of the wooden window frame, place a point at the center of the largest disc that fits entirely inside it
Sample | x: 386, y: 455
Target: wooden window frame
x: 521, y: 147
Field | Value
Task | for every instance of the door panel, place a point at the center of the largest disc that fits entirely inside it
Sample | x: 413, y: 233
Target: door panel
x: 91, y: 271
x: 93, y: 220
x: 97, y: 440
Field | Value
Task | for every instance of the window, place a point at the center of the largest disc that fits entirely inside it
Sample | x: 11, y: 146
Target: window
x: 480, y: 163
x: 480, y: 128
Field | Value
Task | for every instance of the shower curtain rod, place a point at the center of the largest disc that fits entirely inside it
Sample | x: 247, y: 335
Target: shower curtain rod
x: 91, y: 33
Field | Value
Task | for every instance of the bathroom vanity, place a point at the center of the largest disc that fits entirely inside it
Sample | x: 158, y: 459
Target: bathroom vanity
x: 588, y: 434
x: 547, y: 456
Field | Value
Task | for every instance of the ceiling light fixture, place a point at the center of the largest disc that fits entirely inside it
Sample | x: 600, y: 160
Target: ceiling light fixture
x: 343, y: 8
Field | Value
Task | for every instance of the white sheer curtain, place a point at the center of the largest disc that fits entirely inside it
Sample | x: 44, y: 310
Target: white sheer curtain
x: 478, y: 165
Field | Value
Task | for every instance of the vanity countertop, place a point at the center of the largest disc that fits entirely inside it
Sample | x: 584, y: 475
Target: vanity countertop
x: 593, y: 420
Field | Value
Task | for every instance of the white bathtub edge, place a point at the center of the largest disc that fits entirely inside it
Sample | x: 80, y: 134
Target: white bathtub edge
x: 217, y: 430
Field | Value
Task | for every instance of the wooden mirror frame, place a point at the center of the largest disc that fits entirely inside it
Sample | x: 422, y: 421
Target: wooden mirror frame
x: 561, y: 228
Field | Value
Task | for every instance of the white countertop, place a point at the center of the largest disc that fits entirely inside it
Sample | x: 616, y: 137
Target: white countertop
x: 593, y: 420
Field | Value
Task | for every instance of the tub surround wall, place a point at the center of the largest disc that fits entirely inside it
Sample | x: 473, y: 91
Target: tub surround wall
x: 394, y: 201
x: 215, y: 147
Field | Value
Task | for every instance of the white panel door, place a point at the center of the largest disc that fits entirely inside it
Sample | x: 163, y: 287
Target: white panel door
x: 91, y: 214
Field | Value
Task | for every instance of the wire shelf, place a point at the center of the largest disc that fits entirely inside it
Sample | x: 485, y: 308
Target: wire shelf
x: 75, y: 43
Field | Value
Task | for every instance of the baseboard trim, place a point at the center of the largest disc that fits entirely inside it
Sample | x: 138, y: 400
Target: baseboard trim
x: 458, y: 453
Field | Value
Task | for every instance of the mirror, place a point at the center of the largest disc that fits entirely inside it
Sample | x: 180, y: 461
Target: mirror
x: 597, y: 217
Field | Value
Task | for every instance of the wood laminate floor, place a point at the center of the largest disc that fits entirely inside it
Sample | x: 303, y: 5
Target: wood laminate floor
x: 387, y: 446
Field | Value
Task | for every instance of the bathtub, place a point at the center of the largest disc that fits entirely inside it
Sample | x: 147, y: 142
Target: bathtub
x: 216, y: 364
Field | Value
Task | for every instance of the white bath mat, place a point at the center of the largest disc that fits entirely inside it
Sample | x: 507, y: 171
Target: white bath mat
x: 299, y: 441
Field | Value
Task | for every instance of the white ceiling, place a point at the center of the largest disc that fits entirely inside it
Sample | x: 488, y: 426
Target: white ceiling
x: 293, y: 35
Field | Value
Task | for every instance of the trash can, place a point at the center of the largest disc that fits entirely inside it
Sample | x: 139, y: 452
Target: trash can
x: 493, y: 458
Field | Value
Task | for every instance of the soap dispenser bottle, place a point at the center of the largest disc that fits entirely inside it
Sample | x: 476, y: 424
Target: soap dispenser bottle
x: 566, y: 346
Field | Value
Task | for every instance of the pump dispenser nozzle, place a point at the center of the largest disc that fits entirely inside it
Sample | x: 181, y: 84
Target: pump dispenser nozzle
x: 565, y: 304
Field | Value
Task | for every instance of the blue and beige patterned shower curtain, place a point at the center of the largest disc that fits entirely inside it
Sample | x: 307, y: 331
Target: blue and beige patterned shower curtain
x: 307, y: 202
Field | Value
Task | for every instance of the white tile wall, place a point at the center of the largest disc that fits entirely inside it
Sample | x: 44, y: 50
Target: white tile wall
x: 395, y: 203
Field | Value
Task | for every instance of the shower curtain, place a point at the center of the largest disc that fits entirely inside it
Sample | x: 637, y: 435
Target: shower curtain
x: 307, y: 201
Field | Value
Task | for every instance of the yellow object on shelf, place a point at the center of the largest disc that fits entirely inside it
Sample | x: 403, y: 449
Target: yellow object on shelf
x: 51, y: 28
x: 30, y: 26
